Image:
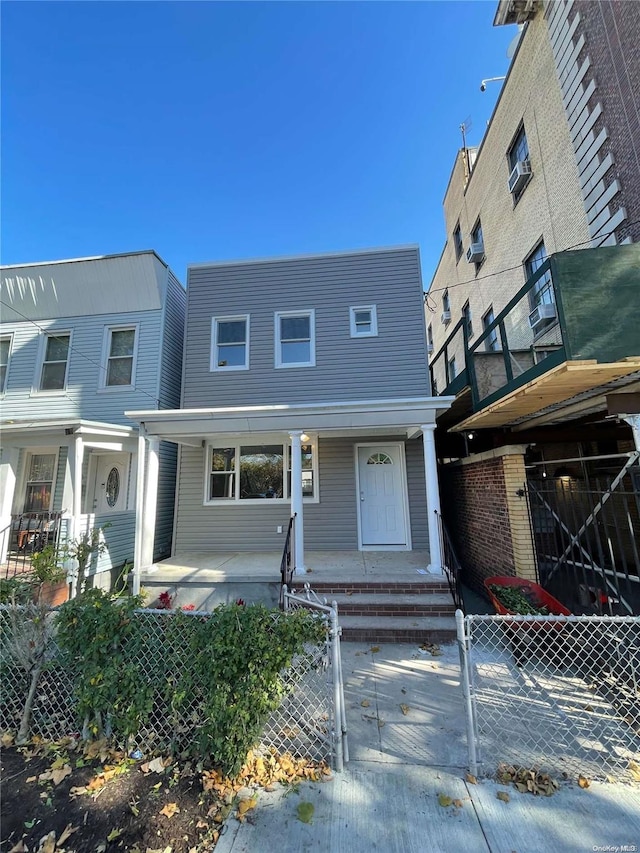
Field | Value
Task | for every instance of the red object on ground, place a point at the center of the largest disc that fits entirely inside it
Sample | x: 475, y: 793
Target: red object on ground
x: 538, y: 595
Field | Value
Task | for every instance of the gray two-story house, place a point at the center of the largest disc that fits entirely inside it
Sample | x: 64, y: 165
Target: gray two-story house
x: 80, y: 342
x: 306, y: 400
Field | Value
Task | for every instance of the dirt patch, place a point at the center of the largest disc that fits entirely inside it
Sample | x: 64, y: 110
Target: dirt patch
x: 108, y: 802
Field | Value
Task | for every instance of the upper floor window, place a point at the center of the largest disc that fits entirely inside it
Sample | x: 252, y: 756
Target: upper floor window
x: 5, y: 352
x: 55, y: 362
x: 430, y: 338
x: 475, y: 254
x: 230, y: 343
x: 542, y: 291
x: 491, y: 341
x: 457, y: 241
x: 295, y: 339
x: 446, y: 305
x: 363, y: 321
x: 120, y: 352
x: 519, y: 164
x: 466, y: 314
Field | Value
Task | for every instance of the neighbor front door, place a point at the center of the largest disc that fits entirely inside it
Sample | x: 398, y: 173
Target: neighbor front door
x: 381, y: 496
x: 112, y: 472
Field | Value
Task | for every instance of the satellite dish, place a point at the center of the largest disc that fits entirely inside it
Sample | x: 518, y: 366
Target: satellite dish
x: 513, y: 44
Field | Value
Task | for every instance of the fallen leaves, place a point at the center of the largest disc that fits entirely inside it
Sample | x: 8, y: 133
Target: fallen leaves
x: 583, y: 781
x: 471, y: 779
x: 375, y: 650
x: 433, y: 649
x: 7, y: 739
x: 305, y: 812
x: 365, y: 703
x: 503, y: 796
x: 634, y: 769
x: 444, y: 800
x: 526, y: 780
x: 170, y: 809
x: 66, y: 833
x: 404, y: 708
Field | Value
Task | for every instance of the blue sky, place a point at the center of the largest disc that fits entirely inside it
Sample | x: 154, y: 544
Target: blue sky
x: 235, y: 130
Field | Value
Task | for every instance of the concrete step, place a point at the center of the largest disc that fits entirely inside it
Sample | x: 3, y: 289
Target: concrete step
x: 384, y: 604
x: 327, y: 588
x: 398, y: 629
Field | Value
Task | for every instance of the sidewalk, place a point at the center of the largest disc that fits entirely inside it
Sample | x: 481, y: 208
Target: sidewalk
x: 402, y: 759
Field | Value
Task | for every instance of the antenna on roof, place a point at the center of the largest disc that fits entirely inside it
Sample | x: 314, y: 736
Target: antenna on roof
x: 465, y: 127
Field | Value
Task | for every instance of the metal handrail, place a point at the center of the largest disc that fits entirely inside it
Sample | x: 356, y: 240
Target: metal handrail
x: 450, y: 564
x: 287, y: 564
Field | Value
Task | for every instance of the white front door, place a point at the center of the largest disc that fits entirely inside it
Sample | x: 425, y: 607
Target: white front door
x: 381, y: 496
x: 112, y: 474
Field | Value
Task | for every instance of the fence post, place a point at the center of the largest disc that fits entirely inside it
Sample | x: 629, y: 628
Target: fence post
x: 466, y: 691
x: 337, y: 691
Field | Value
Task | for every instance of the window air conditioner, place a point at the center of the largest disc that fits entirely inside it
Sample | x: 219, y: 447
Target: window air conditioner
x: 475, y: 253
x: 541, y: 313
x: 519, y: 176
x: 446, y: 317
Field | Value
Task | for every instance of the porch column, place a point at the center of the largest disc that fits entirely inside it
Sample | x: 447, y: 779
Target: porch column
x: 150, y: 502
x: 139, y: 537
x: 296, y: 500
x: 8, y: 476
x: 433, y: 498
x: 634, y: 423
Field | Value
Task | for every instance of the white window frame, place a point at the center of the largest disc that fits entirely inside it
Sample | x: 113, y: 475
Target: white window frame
x: 373, y: 322
x: 311, y: 314
x: 106, y: 350
x: 21, y: 493
x: 261, y: 439
x: 6, y: 372
x: 51, y: 392
x: 213, y: 365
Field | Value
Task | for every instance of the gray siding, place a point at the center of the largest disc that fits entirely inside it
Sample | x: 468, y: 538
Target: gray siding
x: 330, y: 524
x: 172, y: 344
x: 59, y: 485
x: 82, y: 398
x: 391, y: 365
x: 119, y: 538
x: 166, y: 497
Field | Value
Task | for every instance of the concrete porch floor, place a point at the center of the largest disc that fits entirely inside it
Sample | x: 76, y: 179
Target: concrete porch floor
x: 264, y: 566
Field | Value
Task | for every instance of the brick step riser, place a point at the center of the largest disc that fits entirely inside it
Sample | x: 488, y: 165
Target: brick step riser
x: 397, y: 635
x: 379, y: 589
x: 356, y: 609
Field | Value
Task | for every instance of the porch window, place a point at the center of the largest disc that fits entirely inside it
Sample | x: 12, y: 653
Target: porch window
x: 363, y: 321
x: 230, y: 343
x: 120, y: 353
x: 256, y: 472
x: 40, y: 476
x: 295, y: 339
x: 5, y: 350
x: 53, y: 375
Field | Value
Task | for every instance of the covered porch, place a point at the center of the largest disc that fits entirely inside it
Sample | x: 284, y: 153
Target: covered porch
x: 228, y: 530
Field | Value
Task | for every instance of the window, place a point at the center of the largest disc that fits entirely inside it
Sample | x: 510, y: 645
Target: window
x: 53, y: 376
x: 363, y: 321
x: 5, y: 352
x: 466, y: 313
x: 542, y: 291
x: 491, y: 341
x: 477, y: 240
x: 255, y: 472
x: 518, y: 157
x: 39, y: 489
x: 430, y: 338
x: 230, y: 343
x: 445, y: 301
x: 457, y: 241
x: 295, y: 339
x: 120, y: 352
x: 452, y: 369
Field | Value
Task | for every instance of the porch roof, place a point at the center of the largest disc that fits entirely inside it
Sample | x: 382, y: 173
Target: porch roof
x: 73, y: 426
x: 329, y: 419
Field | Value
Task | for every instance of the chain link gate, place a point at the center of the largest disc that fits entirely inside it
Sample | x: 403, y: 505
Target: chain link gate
x: 553, y: 693
x: 309, y: 723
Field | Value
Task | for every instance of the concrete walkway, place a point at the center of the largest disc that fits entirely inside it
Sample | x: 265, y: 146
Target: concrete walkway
x: 408, y: 746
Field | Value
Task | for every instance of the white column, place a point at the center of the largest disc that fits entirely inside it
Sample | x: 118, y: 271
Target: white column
x: 8, y: 476
x: 433, y: 497
x: 634, y: 423
x: 150, y: 502
x: 296, y: 501
x: 139, y: 537
x: 78, y: 458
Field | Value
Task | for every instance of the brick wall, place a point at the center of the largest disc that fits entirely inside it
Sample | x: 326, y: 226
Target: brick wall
x: 487, y: 520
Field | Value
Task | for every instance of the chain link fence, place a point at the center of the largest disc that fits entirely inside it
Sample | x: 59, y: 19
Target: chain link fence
x: 303, y: 725
x: 559, y: 694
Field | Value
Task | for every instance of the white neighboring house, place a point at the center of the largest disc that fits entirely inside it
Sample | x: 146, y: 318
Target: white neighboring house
x: 81, y: 341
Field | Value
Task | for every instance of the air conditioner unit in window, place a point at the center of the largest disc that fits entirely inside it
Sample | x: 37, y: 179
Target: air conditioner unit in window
x: 519, y: 176
x: 541, y: 313
x: 445, y: 317
x: 475, y: 253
